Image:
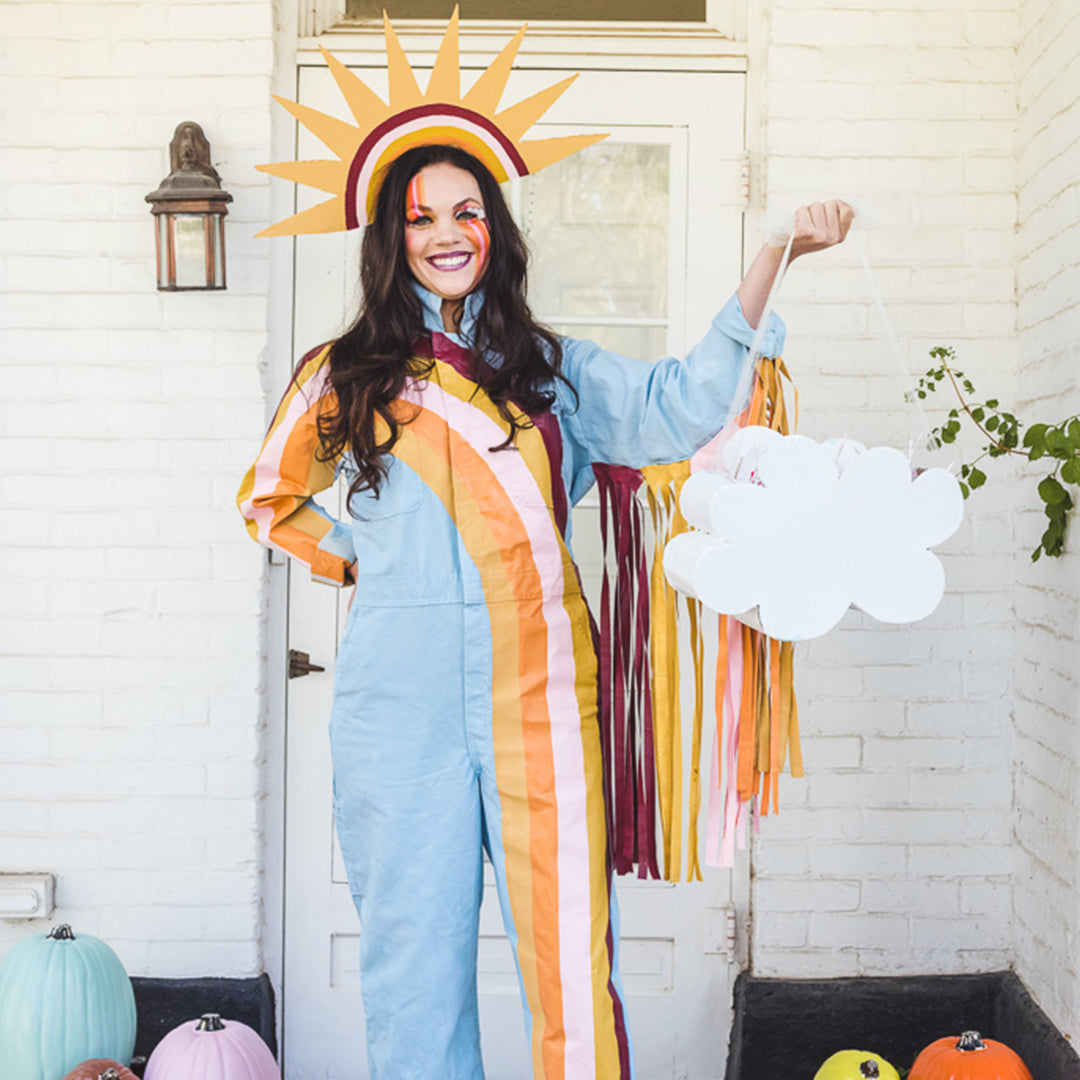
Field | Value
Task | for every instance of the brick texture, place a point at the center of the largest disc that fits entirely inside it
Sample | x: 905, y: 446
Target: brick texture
x: 130, y: 698
x: 894, y: 854
x: 1046, y: 771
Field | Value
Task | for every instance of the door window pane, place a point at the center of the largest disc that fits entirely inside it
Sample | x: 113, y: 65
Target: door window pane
x: 598, y: 227
x: 526, y: 10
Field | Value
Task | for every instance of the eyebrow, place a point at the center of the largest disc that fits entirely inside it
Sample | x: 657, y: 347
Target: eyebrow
x: 457, y: 206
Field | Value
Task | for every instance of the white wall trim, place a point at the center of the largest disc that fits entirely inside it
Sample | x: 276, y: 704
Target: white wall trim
x: 617, y: 46
x: 278, y: 363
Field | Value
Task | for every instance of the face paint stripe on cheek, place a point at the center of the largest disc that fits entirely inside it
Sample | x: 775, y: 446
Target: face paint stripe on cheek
x: 481, y: 237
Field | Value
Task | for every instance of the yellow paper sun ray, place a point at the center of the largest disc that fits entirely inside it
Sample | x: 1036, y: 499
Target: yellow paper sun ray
x: 540, y: 153
x: 517, y: 119
x: 366, y: 106
x: 336, y: 134
x: 404, y: 89
x: 445, y: 81
x: 487, y: 91
x: 324, y: 218
x: 322, y: 175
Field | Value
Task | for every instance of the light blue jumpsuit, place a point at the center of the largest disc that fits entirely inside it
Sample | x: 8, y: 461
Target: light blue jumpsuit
x: 465, y: 697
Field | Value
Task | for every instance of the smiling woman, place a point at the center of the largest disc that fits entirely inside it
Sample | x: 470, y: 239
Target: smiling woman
x: 475, y: 427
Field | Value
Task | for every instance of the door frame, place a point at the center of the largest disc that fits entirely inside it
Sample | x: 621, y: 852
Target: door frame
x: 584, y: 46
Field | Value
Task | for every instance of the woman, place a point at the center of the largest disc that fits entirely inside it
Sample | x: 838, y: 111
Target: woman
x: 465, y: 703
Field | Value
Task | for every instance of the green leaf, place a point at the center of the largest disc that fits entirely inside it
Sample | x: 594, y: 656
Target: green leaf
x: 992, y: 403
x: 1052, y: 493
x: 977, y: 413
x: 992, y: 423
x: 1070, y: 471
x: 1074, y: 430
x: 977, y: 478
x: 1056, y: 443
x: 1035, y: 435
x: 964, y: 489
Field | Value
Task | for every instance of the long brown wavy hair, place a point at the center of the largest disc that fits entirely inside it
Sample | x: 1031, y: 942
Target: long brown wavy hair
x: 370, y: 363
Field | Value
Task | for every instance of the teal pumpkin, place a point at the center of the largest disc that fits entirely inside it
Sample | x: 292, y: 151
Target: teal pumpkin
x: 63, y: 999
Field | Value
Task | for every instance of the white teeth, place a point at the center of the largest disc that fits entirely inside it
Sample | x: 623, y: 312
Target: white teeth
x: 449, y: 262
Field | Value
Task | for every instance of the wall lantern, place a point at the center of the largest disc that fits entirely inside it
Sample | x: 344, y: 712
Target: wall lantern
x: 189, y: 215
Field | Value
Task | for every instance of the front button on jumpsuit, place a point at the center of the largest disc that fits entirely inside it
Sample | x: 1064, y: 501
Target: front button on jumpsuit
x: 465, y: 694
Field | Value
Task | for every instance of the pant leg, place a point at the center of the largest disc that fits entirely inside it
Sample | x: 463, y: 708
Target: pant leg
x: 544, y: 809
x: 407, y: 807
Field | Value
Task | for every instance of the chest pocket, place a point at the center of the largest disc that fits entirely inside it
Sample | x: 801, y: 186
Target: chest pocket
x: 401, y: 492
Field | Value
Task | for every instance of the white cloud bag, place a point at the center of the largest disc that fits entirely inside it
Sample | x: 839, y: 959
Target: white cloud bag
x: 792, y: 532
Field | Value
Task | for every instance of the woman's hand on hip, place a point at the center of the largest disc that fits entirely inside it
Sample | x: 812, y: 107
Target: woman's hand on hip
x: 350, y: 579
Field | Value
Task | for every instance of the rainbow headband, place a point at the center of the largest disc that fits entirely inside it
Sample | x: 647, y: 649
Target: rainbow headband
x: 385, y: 130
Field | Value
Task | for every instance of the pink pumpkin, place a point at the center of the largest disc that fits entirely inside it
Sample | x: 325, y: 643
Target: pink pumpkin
x: 212, y: 1049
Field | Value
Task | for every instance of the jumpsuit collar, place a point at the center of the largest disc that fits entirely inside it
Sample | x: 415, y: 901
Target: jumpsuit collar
x: 433, y: 323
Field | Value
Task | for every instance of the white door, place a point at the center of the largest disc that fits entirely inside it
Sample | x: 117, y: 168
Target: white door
x: 637, y: 241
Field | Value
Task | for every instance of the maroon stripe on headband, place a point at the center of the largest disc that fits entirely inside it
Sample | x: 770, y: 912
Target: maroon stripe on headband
x: 352, y: 220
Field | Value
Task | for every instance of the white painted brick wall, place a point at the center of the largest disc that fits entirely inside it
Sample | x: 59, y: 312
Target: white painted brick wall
x: 1046, y: 888
x: 131, y: 742
x: 894, y: 854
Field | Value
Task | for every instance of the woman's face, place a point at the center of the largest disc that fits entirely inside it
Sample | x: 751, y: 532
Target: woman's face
x: 446, y: 231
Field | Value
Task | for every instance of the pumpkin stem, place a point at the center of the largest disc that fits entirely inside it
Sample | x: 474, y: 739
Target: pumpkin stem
x: 210, y: 1022
x: 61, y: 933
x: 970, y: 1041
x: 869, y: 1069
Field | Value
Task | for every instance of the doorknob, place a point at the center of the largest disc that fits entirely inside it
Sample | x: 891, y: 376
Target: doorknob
x: 300, y: 664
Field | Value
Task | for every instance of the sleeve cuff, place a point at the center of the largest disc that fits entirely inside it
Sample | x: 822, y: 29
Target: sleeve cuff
x: 334, y: 553
x: 731, y: 321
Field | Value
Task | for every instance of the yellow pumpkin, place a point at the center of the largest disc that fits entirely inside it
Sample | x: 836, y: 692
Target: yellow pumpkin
x: 856, y: 1065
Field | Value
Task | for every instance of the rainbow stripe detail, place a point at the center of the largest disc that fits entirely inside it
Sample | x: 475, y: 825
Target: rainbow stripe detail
x: 544, y: 692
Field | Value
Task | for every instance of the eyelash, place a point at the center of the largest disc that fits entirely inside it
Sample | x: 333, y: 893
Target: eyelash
x: 466, y: 214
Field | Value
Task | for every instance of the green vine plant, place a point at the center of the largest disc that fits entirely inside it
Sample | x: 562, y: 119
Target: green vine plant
x: 1001, y: 429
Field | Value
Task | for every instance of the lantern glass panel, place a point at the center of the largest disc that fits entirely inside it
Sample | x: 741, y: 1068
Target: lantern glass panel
x: 162, y: 249
x: 191, y: 240
x: 218, y: 231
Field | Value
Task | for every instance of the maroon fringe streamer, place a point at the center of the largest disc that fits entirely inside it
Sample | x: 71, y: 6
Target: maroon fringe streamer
x: 626, y: 727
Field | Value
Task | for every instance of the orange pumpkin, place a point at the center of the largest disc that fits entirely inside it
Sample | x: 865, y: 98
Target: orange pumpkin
x: 968, y: 1058
x: 100, y: 1069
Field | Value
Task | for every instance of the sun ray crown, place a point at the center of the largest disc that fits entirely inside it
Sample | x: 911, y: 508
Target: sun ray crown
x: 385, y: 130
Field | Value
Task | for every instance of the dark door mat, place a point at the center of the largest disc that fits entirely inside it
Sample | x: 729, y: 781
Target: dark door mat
x: 786, y: 1028
x: 163, y: 1004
